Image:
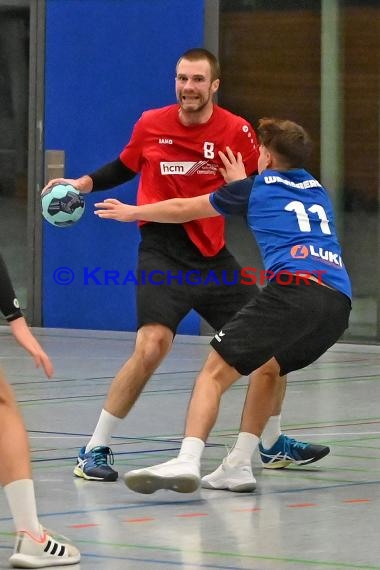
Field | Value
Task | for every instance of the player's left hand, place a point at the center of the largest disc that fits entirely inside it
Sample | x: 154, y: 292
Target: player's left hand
x: 113, y: 209
x: 233, y: 166
x: 27, y: 340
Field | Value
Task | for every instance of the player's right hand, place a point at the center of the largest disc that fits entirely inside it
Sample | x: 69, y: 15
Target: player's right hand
x: 82, y: 184
x: 233, y: 166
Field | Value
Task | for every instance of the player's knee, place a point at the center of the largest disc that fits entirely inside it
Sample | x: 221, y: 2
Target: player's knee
x: 152, y: 344
x: 270, y: 370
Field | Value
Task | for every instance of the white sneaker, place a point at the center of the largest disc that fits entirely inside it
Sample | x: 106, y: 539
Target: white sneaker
x: 31, y: 552
x: 237, y: 478
x: 175, y: 475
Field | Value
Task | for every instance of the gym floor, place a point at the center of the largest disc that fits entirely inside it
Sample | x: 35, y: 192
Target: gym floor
x: 320, y: 517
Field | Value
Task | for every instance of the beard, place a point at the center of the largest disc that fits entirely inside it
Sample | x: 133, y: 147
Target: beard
x: 193, y: 105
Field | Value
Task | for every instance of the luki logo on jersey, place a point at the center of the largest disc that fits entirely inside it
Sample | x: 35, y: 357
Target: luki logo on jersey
x: 188, y: 168
x: 326, y: 256
x: 299, y: 251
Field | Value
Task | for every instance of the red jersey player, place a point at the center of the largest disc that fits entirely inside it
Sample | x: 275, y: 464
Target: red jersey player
x: 175, y: 149
x: 178, y: 160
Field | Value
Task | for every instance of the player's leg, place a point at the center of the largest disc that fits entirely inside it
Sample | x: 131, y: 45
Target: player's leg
x: 317, y: 335
x: 233, y: 355
x: 264, y: 325
x: 264, y: 391
x: 285, y: 450
x: 15, y: 477
x: 276, y: 449
x: 182, y: 474
x: 160, y: 307
x: 153, y: 342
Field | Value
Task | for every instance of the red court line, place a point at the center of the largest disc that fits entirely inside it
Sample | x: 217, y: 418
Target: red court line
x: 356, y: 501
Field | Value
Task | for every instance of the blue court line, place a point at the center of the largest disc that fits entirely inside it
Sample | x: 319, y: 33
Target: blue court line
x: 200, y: 501
x: 58, y: 379
x: 182, y: 564
x: 127, y: 439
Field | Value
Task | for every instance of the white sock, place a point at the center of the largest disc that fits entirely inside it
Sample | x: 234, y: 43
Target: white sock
x: 105, y: 427
x: 243, y: 449
x: 191, y: 449
x: 22, y: 504
x: 272, y: 432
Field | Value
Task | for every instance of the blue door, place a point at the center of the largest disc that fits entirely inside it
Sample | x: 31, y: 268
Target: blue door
x: 105, y: 63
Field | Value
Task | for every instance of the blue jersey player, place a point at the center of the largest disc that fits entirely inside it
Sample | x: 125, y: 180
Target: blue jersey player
x: 303, y: 310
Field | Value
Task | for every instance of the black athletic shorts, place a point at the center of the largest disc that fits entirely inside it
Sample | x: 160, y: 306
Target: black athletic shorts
x: 174, y: 277
x: 295, y: 324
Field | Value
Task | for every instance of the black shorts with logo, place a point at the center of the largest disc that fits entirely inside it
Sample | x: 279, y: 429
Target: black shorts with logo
x: 295, y: 324
x: 174, y: 277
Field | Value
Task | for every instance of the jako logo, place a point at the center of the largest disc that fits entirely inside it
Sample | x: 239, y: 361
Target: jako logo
x: 299, y: 251
x: 165, y: 141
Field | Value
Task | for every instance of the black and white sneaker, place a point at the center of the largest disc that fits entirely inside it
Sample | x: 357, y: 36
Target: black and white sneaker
x: 43, y: 551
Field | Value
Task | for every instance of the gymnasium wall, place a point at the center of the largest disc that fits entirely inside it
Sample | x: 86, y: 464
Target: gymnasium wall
x: 271, y: 65
x: 106, y: 62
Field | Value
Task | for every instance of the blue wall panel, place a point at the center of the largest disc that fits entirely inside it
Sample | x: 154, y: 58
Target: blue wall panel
x: 106, y: 62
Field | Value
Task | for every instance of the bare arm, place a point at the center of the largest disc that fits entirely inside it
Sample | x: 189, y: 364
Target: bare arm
x: 9, y: 306
x: 176, y: 210
x: 27, y: 340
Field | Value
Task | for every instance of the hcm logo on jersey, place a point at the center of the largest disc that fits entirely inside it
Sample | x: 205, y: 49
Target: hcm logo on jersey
x: 184, y: 168
x: 326, y: 256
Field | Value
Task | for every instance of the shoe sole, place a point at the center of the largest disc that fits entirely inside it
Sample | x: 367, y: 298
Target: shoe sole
x: 282, y: 463
x: 240, y: 488
x: 147, y: 483
x: 79, y: 473
x: 27, y: 561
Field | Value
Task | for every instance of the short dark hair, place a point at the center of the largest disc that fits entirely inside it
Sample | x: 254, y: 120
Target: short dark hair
x: 286, y: 139
x: 196, y: 54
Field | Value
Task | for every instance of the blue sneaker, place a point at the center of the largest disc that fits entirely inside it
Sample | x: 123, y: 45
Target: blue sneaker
x: 93, y: 465
x: 287, y: 450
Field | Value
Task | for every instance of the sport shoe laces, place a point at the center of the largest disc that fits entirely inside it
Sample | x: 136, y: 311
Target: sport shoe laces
x: 294, y: 448
x: 99, y: 456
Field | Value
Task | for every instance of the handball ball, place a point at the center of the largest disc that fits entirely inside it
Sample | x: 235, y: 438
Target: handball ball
x: 62, y: 205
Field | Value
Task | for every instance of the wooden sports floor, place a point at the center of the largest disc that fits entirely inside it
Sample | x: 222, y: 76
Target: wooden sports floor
x: 325, y: 516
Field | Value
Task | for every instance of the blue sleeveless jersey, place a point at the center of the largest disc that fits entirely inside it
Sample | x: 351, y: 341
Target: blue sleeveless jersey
x: 291, y: 217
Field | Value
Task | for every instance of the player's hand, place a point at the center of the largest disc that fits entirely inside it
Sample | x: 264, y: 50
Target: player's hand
x: 25, y: 338
x: 113, y: 209
x: 82, y: 184
x: 233, y: 166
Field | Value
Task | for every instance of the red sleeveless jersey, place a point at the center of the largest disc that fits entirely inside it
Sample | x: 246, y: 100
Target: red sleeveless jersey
x: 178, y: 161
